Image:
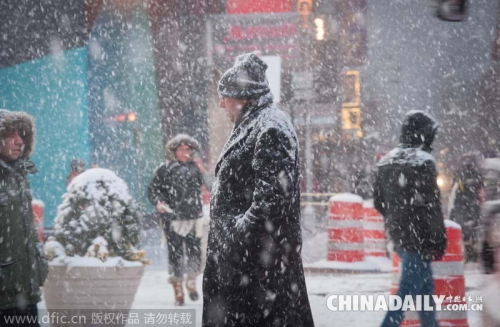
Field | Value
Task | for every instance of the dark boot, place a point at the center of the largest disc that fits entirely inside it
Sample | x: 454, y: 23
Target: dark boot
x: 191, y: 287
x: 178, y: 291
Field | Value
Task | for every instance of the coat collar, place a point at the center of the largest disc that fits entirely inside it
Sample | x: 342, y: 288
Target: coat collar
x: 20, y: 166
x: 241, y: 130
x: 252, y: 107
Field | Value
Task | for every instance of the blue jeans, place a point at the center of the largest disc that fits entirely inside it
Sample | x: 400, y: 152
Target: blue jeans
x: 416, y: 279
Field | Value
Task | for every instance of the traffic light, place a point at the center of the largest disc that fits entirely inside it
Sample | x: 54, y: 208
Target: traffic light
x: 351, y: 118
x: 121, y: 118
x: 131, y: 116
x: 351, y: 89
x: 327, y: 62
x: 351, y: 105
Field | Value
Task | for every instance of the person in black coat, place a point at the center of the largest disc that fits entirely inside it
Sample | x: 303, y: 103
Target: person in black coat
x: 254, y: 274
x: 175, y: 191
x: 465, y: 203
x: 407, y: 195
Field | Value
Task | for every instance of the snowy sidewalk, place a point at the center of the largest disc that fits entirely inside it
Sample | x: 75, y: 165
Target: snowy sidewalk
x: 155, y: 293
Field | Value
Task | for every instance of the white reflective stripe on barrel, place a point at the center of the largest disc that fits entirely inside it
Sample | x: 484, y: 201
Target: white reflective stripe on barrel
x: 374, y: 245
x: 344, y: 224
x: 395, y: 278
x: 345, y: 246
x: 375, y: 240
x: 372, y: 225
x: 440, y: 268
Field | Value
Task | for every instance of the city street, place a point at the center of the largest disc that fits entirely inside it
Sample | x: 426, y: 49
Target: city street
x: 155, y: 293
x: 271, y: 153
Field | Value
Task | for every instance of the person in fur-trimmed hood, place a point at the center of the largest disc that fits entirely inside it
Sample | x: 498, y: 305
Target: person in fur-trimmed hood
x: 23, y: 267
x: 175, y: 191
x: 254, y: 274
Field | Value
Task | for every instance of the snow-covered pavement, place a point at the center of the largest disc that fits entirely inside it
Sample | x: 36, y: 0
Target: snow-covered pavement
x: 155, y: 293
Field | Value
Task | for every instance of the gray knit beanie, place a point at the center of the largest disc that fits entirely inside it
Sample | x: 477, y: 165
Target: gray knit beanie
x: 246, y: 79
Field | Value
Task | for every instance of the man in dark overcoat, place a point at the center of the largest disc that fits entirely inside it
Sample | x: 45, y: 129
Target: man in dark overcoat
x: 254, y: 274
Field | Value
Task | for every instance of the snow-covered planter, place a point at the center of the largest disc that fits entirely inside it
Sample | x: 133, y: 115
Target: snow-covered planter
x: 98, y: 204
x: 94, y: 260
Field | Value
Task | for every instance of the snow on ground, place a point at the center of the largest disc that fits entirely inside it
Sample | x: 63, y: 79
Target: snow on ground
x: 319, y: 287
x: 155, y: 293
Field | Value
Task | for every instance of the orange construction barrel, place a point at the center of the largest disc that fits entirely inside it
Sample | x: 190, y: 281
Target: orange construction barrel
x: 373, y: 231
x: 345, y: 228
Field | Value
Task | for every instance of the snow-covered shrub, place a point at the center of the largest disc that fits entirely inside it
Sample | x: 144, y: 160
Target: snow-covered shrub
x: 98, y: 206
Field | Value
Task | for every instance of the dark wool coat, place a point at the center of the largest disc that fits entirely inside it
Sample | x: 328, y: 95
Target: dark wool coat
x: 178, y: 185
x: 406, y: 192
x: 254, y: 274
x: 23, y: 267
x: 465, y: 200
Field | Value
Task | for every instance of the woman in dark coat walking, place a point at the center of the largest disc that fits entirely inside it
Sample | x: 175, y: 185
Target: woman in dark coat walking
x: 175, y: 191
x: 254, y: 274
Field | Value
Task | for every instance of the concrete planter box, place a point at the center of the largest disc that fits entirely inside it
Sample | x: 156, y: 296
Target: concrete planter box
x: 90, y: 290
